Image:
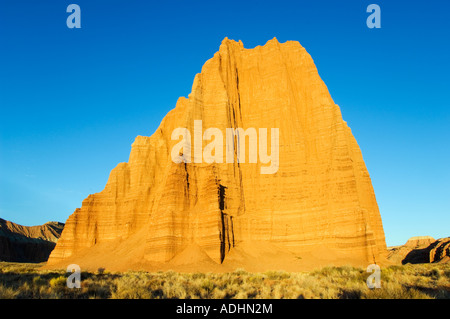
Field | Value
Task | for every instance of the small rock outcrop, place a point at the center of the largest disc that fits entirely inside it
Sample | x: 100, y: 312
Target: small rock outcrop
x: 421, y: 250
x: 31, y: 244
x: 440, y: 251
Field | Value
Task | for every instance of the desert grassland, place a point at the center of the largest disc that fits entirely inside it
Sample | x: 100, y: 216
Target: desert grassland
x: 424, y: 281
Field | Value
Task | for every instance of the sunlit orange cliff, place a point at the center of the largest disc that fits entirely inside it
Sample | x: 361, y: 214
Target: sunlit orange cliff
x: 317, y: 209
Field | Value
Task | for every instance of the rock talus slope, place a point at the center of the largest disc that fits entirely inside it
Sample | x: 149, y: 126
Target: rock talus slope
x: 319, y: 206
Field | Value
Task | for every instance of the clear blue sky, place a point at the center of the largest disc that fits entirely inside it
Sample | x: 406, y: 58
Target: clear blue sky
x: 73, y: 100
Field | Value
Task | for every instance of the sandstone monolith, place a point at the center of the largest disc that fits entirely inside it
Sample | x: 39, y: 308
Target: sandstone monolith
x: 318, y: 208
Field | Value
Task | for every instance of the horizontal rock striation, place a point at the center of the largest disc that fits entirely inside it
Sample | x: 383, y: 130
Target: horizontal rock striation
x: 440, y: 251
x: 319, y: 204
x: 28, y: 243
x: 421, y: 250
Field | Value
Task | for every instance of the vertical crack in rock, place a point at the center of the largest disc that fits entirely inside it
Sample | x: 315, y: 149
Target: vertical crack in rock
x: 95, y: 233
x: 223, y: 218
x: 232, y: 228
x: 233, y: 105
x: 187, y: 177
x: 239, y: 94
x: 226, y: 226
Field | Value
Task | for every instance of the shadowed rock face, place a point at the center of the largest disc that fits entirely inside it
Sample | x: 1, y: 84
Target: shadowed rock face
x: 420, y: 250
x: 440, y: 251
x: 28, y: 244
x: 320, y: 202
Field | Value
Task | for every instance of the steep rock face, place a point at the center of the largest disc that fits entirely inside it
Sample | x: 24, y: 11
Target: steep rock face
x: 440, y: 251
x: 28, y: 243
x: 420, y: 250
x: 318, y: 205
x: 414, y: 251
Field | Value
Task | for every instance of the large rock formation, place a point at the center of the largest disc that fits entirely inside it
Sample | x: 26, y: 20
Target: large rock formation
x: 28, y: 243
x: 318, y: 207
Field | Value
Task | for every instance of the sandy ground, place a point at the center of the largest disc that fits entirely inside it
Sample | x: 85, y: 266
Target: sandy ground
x: 256, y: 257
